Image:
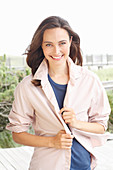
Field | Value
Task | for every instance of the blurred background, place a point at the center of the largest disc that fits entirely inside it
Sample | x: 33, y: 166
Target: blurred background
x: 91, y: 19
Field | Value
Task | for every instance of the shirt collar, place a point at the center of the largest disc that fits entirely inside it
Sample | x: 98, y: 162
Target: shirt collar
x: 42, y: 70
x: 74, y: 70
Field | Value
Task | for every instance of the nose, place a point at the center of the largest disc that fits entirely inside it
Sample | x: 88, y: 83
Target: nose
x: 56, y: 50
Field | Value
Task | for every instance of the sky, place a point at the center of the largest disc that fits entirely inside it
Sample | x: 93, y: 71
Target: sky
x: 90, y: 19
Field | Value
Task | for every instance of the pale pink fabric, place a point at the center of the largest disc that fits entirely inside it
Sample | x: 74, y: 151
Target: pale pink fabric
x: 38, y: 106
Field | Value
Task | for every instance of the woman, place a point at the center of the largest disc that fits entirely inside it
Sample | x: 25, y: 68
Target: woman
x: 65, y: 103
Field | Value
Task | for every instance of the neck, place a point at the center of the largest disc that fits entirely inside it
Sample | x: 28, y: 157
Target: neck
x: 58, y: 70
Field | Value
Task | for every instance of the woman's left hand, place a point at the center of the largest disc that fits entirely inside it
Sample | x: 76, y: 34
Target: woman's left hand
x: 69, y: 116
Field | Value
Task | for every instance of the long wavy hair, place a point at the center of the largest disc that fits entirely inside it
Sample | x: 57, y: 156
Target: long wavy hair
x: 35, y: 53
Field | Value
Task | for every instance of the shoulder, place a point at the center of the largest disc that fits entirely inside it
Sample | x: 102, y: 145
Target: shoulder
x: 85, y: 72
x: 82, y: 72
x: 89, y: 73
x: 25, y: 84
x: 89, y: 77
x: 26, y: 80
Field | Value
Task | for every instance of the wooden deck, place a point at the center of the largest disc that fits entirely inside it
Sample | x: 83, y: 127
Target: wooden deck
x: 19, y: 158
x: 15, y: 158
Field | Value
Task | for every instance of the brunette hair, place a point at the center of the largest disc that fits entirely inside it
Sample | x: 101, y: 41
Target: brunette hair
x: 35, y: 53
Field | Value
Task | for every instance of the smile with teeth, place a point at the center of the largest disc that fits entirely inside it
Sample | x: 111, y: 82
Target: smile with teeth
x: 57, y: 57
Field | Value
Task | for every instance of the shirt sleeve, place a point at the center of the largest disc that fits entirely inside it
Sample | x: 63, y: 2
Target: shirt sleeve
x: 22, y: 112
x: 100, y: 108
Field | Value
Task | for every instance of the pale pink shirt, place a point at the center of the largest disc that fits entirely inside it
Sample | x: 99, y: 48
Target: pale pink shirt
x: 38, y: 106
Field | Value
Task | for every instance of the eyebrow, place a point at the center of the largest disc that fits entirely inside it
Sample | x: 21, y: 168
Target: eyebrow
x: 52, y: 42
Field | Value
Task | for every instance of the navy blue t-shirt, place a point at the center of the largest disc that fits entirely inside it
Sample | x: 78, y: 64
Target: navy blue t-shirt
x: 80, y: 157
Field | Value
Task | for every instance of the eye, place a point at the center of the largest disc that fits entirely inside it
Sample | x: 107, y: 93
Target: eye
x: 48, y: 45
x: 62, y: 43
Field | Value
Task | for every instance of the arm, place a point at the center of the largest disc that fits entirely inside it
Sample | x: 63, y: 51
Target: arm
x: 70, y: 118
x: 25, y: 138
x: 60, y: 141
x: 90, y: 127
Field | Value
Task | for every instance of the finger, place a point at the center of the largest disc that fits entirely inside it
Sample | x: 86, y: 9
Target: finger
x: 67, y: 117
x: 67, y: 136
x: 68, y: 121
x: 65, y: 109
x: 66, y: 144
x: 66, y: 141
x: 67, y: 113
x: 67, y: 148
x: 62, y: 132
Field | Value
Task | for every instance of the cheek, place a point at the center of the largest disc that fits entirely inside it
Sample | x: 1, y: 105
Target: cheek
x: 46, y: 51
x: 66, y: 50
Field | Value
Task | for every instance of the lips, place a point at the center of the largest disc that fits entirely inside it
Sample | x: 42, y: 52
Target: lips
x: 56, y: 58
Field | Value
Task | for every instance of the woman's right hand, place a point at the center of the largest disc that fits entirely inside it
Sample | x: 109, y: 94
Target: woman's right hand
x: 62, y: 140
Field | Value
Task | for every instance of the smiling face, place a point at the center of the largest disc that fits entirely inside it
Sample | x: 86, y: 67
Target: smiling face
x: 56, y: 45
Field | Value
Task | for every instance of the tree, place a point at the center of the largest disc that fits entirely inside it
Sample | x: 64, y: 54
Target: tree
x: 9, y: 78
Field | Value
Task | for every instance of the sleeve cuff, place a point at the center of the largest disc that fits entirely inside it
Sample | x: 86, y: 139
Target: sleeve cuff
x: 17, y: 128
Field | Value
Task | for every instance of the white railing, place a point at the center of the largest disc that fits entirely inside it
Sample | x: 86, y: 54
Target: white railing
x: 108, y: 85
x: 97, y: 60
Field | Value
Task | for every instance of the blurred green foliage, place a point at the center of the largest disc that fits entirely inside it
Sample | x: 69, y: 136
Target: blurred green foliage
x: 6, y: 140
x: 9, y: 78
x: 105, y: 74
x: 110, y: 97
